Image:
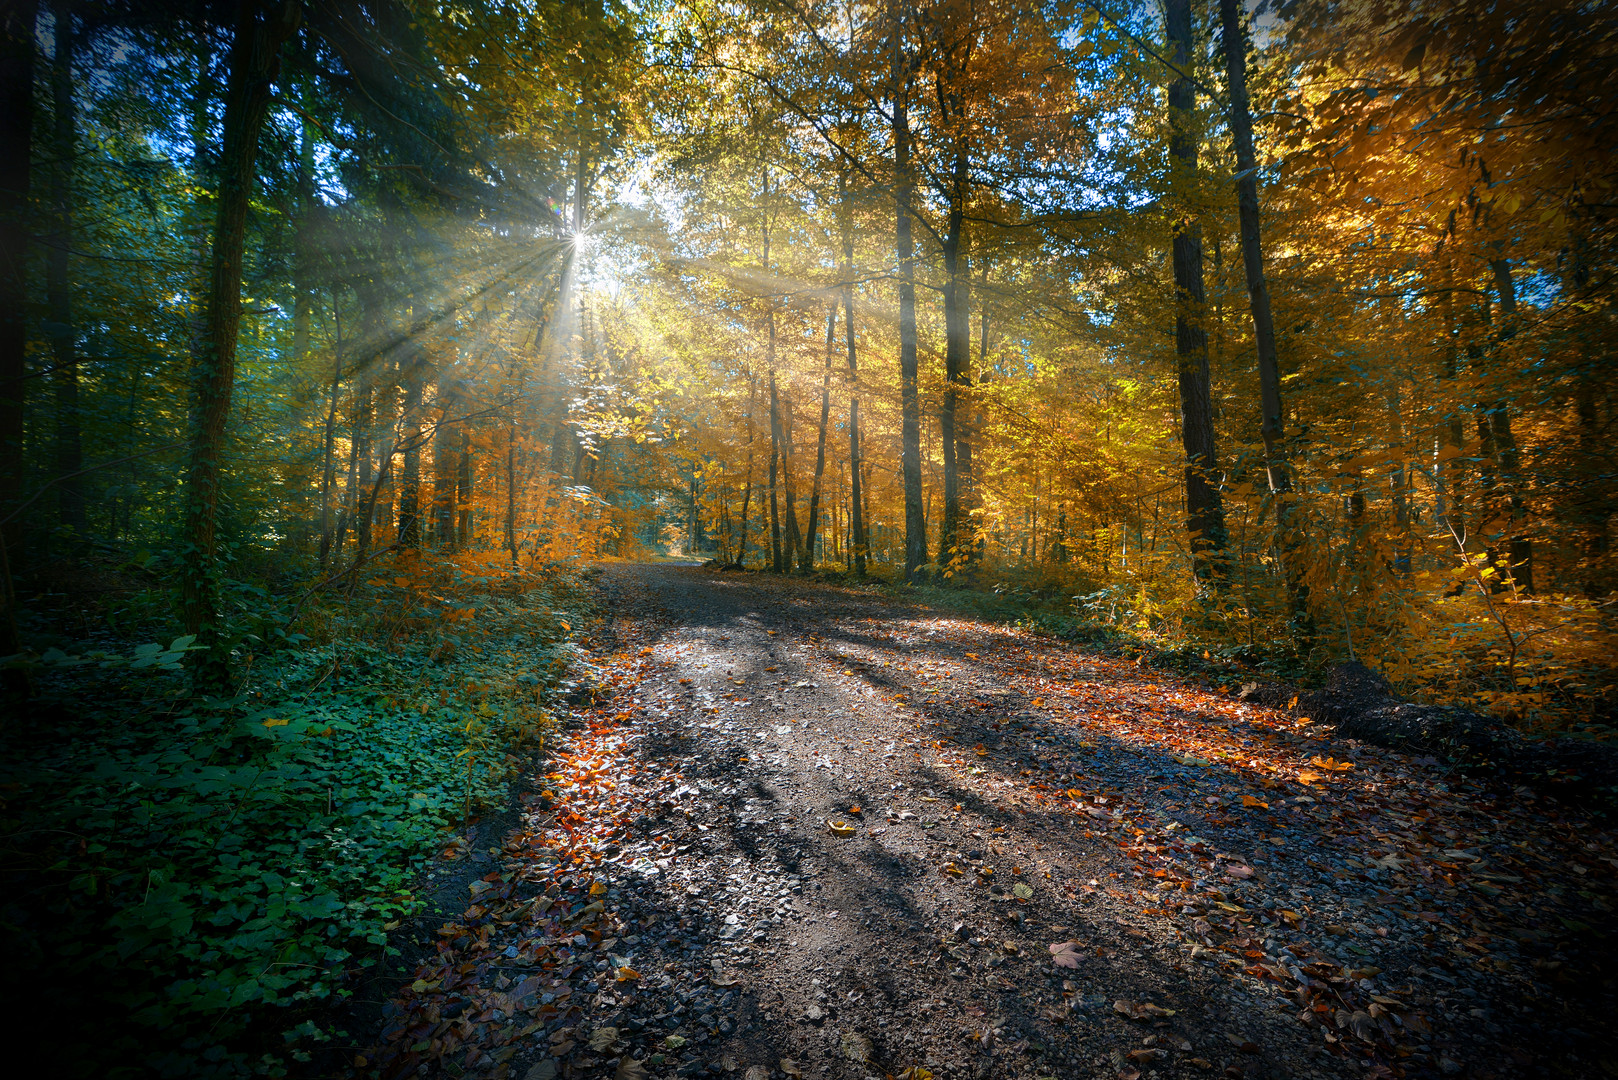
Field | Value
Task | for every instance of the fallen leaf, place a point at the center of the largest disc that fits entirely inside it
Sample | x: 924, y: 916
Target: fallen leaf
x: 1331, y: 764
x: 674, y: 1042
x: 790, y: 1068
x: 840, y: 828
x: 1066, y: 954
x: 627, y: 974
x: 1248, y: 800
x: 757, y: 1072
x: 603, y: 1037
x: 856, y: 1047
x: 1307, y: 777
x: 1146, y: 1055
x: 728, y: 1062
x: 1144, y: 1010
x: 1021, y: 891
x: 1236, y: 870
x: 630, y: 1069
x: 541, y: 1070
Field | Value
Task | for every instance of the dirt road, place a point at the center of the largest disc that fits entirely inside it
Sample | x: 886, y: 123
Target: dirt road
x: 813, y: 832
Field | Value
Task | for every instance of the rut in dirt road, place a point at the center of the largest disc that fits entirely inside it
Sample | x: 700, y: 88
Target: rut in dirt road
x: 808, y: 831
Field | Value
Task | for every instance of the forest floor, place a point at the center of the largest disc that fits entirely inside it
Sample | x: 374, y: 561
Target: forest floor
x: 807, y: 831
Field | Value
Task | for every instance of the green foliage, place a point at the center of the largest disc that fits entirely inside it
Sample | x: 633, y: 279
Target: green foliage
x: 211, y: 870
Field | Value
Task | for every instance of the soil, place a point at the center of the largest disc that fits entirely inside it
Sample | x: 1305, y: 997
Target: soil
x: 804, y: 831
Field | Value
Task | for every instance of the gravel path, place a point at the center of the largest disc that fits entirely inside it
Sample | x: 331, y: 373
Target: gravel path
x: 804, y: 831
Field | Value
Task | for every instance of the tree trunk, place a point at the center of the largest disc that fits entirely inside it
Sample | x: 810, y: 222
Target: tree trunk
x: 328, y: 458
x: 463, y: 488
x: 58, y: 299
x: 808, y: 562
x: 856, y: 516
x: 957, y: 360
x: 254, y: 62
x: 777, y: 562
x: 446, y: 434
x: 302, y: 290
x: 792, y: 540
x: 1272, y: 423
x: 413, y: 376
x: 1520, y: 548
x: 1450, y: 472
x: 371, y: 323
x: 1204, y: 509
x: 904, y: 247
x: 747, y: 490
x: 16, y: 152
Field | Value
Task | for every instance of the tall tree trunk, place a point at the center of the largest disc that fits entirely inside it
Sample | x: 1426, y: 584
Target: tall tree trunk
x: 965, y: 467
x: 463, y: 488
x: 1204, y: 509
x: 16, y: 152
x: 747, y: 490
x: 254, y: 63
x: 808, y: 562
x: 1520, y: 548
x: 856, y: 515
x: 1272, y: 424
x: 1450, y: 471
x: 413, y: 374
x: 446, y: 434
x: 777, y: 561
x: 792, y: 540
x: 303, y: 296
x: 957, y: 360
x: 328, y: 456
x: 371, y: 326
x: 60, y: 330
x: 905, y: 249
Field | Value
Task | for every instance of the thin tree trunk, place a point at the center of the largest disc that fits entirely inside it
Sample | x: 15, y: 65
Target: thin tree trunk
x: 413, y: 373
x: 446, y: 435
x: 1204, y: 509
x: 1272, y: 423
x: 792, y: 545
x: 957, y: 359
x: 777, y: 562
x: 1451, y: 467
x: 371, y: 324
x: 16, y: 153
x: 254, y: 62
x: 1519, y: 547
x: 856, y: 515
x: 463, y: 488
x: 808, y: 562
x: 904, y: 248
x: 302, y: 292
x: 60, y: 330
x: 328, y: 460
x: 747, y: 491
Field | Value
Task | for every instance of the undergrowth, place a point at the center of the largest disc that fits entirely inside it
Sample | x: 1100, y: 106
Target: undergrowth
x: 187, y: 880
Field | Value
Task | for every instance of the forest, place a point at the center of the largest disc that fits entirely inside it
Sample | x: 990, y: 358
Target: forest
x: 374, y: 372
